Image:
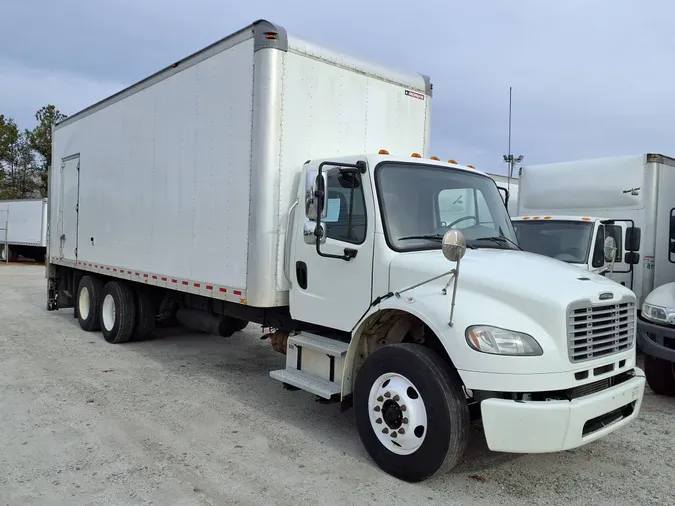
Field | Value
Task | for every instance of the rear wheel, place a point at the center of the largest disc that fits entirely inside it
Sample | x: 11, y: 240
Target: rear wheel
x: 146, y: 312
x: 660, y: 375
x: 88, y: 303
x: 411, y: 412
x: 118, y: 312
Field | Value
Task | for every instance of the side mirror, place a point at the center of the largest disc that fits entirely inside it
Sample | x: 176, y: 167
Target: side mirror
x: 315, y: 195
x: 631, y: 258
x: 633, y: 239
x: 610, y: 249
x: 454, y: 245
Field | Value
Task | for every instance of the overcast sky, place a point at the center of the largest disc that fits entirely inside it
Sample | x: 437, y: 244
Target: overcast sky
x: 590, y: 77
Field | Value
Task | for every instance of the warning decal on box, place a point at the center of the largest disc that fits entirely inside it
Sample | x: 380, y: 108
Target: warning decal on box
x: 414, y: 94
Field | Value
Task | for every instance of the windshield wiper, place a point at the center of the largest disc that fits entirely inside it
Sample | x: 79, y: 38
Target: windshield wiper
x: 431, y: 237
x: 501, y: 240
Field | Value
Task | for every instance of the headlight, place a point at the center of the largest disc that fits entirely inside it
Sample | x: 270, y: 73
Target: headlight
x: 658, y: 313
x: 498, y: 341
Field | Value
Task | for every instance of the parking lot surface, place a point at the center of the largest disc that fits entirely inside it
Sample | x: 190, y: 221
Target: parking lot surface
x: 188, y: 418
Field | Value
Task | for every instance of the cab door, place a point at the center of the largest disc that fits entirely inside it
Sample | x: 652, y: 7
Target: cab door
x: 332, y: 252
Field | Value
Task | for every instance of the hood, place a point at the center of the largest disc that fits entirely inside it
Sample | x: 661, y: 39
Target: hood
x: 507, y: 274
x: 663, y: 296
x: 509, y: 289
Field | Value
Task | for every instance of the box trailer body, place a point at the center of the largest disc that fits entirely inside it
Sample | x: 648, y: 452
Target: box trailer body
x: 266, y: 179
x: 25, y: 222
x: 630, y: 199
x: 188, y: 175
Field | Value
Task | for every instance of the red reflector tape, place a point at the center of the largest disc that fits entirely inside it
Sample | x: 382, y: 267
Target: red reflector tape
x: 163, y: 279
x: 209, y: 287
x: 197, y: 285
x: 184, y: 282
x: 154, y: 277
x: 224, y: 290
x: 174, y: 281
x: 145, y: 275
x: 237, y: 292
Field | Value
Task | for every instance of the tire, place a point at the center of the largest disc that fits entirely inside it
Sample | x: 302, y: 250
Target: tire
x: 118, y: 312
x: 146, y: 312
x: 660, y: 375
x: 436, y: 402
x: 88, y: 303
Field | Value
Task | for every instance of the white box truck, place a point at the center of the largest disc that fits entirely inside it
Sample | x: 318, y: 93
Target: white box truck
x: 23, y: 229
x: 572, y: 210
x: 268, y: 180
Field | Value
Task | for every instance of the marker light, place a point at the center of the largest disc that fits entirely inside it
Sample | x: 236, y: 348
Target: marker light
x: 416, y: 155
x: 383, y: 152
x: 452, y: 161
x: 435, y: 158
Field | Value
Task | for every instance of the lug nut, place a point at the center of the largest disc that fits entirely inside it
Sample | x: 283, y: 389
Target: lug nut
x: 405, y: 420
x: 396, y: 398
x: 403, y: 408
x: 377, y: 408
x: 401, y: 430
x: 379, y: 420
x: 385, y: 431
x: 380, y: 399
x: 393, y: 434
x: 387, y: 394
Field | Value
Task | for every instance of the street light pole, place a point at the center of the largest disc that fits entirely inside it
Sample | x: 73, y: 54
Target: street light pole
x: 510, y: 159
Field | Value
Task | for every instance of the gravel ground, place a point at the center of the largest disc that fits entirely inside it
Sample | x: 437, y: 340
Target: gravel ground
x: 192, y: 419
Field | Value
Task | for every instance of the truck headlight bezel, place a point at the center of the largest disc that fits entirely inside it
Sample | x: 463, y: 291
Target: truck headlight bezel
x: 658, y: 314
x: 498, y: 341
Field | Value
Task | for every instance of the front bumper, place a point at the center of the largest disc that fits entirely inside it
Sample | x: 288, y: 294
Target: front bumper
x: 656, y: 347
x: 556, y: 425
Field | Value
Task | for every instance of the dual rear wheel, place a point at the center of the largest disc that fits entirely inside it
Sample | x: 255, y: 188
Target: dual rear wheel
x: 118, y: 311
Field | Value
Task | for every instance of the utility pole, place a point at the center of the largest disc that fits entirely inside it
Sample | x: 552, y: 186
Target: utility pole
x: 510, y: 159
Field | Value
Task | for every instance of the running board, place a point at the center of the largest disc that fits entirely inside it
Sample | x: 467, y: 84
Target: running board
x: 308, y: 382
x: 314, y: 363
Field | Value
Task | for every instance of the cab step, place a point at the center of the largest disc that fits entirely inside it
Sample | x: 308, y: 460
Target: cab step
x: 315, y: 342
x: 308, y: 382
x: 314, y: 363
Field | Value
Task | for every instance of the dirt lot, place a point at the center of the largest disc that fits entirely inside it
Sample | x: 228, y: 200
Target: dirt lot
x: 194, y: 419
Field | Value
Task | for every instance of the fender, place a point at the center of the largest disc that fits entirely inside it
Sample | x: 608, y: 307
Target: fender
x: 421, y: 311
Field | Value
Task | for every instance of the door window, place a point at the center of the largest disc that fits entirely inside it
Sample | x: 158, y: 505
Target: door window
x: 346, y: 216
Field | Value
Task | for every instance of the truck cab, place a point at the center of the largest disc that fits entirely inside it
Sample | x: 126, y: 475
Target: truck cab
x: 600, y: 245
x: 417, y: 302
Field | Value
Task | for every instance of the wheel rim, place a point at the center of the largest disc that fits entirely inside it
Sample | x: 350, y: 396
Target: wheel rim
x: 108, y: 312
x: 83, y: 303
x: 398, y: 415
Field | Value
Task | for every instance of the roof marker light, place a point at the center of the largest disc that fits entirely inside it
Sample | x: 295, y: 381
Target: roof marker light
x: 415, y: 155
x: 434, y: 158
x: 452, y: 161
x: 383, y: 152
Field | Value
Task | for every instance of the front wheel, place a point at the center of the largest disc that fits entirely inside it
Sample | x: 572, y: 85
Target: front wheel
x: 411, y: 412
x: 660, y: 375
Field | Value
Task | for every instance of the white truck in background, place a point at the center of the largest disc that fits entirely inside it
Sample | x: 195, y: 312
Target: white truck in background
x: 268, y: 180
x: 572, y: 211
x: 23, y: 229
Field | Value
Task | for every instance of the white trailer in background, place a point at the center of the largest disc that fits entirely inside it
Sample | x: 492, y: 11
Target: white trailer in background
x: 266, y: 179
x: 570, y: 210
x: 23, y: 229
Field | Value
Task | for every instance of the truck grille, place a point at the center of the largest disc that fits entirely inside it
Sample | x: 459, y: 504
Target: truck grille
x: 598, y: 331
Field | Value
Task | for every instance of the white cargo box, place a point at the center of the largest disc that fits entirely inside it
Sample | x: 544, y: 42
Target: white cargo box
x: 184, y: 180
x: 25, y: 221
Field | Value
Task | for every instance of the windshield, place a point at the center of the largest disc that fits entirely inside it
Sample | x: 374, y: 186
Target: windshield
x: 569, y: 241
x: 422, y: 202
